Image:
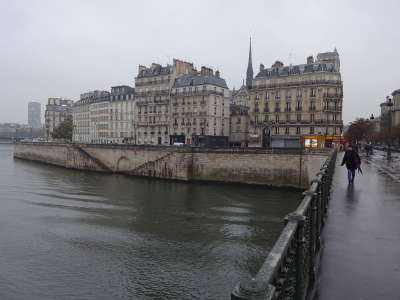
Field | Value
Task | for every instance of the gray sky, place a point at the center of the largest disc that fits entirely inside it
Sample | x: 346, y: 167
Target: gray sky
x: 63, y: 48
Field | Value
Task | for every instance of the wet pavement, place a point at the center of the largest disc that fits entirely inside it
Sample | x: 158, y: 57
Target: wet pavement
x: 361, y: 239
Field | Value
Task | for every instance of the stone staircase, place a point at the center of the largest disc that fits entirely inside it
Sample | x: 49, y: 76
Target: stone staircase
x: 98, y: 164
x: 156, y: 168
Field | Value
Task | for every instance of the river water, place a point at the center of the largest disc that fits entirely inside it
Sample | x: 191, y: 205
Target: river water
x: 67, y: 234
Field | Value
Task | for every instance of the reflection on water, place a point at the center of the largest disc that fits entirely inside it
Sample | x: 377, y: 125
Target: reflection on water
x: 69, y: 234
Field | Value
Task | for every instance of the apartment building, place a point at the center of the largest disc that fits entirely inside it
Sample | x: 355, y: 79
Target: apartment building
x: 122, y: 113
x: 57, y: 111
x: 91, y: 116
x: 298, y: 100
x: 239, y: 125
x: 152, y: 87
x: 199, y: 106
x: 396, y: 107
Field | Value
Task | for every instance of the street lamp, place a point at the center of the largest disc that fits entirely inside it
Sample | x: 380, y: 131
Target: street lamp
x: 390, y: 105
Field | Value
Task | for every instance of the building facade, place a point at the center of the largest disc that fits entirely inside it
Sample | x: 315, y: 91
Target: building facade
x: 34, y: 114
x: 91, y: 116
x: 298, y: 100
x: 199, y: 107
x: 122, y: 113
x: 239, y: 125
x: 396, y: 107
x: 153, y: 87
x: 57, y: 111
x: 241, y: 96
x: 103, y: 117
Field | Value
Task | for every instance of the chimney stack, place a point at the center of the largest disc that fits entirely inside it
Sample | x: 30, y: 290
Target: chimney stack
x: 141, y: 68
x: 261, y: 67
x: 310, y: 60
x: 206, y: 71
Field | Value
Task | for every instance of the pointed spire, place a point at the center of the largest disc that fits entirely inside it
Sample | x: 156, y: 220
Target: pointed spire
x: 249, y: 73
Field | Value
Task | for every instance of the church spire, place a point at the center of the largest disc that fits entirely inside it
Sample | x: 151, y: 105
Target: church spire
x: 249, y: 73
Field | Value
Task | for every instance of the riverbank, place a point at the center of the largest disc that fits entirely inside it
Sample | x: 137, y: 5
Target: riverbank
x: 273, y: 167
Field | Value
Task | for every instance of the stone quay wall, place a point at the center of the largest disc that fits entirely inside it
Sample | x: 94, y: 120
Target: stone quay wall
x: 273, y: 167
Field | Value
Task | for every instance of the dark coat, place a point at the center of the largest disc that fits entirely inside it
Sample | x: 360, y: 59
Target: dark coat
x: 351, y: 159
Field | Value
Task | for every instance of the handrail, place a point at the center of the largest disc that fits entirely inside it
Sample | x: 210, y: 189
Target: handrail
x: 289, y: 269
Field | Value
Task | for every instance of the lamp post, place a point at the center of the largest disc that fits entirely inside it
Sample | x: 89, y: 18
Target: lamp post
x: 390, y: 105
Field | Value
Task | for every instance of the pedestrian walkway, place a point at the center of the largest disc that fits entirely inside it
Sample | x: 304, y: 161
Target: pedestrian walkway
x: 361, y: 239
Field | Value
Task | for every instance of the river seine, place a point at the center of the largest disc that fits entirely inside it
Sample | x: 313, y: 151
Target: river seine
x: 67, y: 234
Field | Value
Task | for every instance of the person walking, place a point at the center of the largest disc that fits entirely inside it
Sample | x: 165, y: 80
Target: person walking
x: 352, y: 161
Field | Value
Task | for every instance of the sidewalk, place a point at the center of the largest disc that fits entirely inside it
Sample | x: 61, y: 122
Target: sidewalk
x: 361, y: 239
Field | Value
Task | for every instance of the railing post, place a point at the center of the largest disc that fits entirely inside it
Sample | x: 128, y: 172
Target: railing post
x: 300, y: 241
x: 313, y: 235
x: 253, y: 289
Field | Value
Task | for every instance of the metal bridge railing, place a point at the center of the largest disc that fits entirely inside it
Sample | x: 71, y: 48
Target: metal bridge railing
x: 290, y: 268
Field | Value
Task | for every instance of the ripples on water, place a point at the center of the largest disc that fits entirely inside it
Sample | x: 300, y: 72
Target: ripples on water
x: 69, y: 234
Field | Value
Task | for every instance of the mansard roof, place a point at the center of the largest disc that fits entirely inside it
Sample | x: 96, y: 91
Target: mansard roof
x: 155, y: 70
x: 122, y: 90
x: 199, y: 79
x: 298, y: 69
x: 106, y: 96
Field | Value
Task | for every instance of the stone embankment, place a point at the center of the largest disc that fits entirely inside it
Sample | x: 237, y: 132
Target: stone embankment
x: 272, y: 167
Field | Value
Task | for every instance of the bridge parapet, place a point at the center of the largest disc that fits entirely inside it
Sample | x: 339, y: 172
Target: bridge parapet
x: 289, y: 270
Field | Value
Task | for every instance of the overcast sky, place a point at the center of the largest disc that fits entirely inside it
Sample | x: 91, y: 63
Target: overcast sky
x: 63, y: 48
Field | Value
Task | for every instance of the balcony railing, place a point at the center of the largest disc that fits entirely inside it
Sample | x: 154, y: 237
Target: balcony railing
x: 333, y: 109
x: 299, y: 83
x: 152, y: 93
x: 197, y: 93
x: 332, y: 96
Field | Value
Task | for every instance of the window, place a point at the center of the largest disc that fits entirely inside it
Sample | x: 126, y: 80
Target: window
x: 298, y: 117
x: 276, y: 130
x: 312, y: 105
x: 311, y: 130
x: 313, y: 92
x: 298, y: 106
x: 297, y: 130
x: 276, y: 118
x: 298, y: 92
x: 287, y: 130
x: 312, y: 117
